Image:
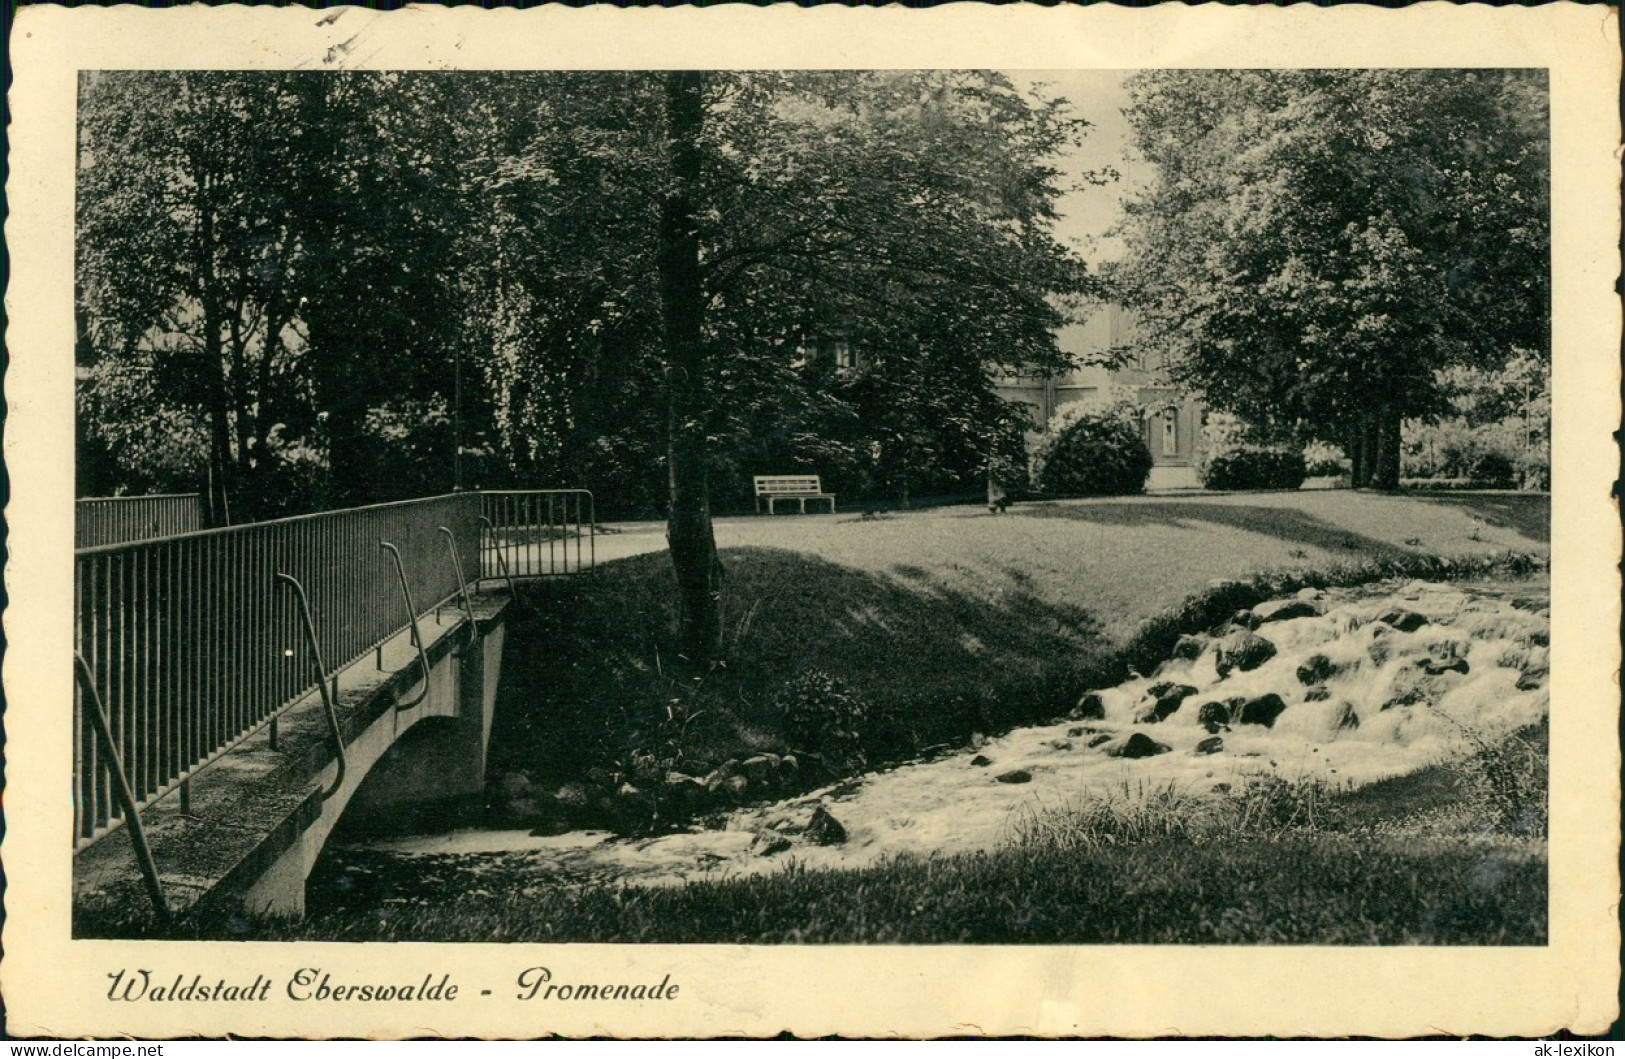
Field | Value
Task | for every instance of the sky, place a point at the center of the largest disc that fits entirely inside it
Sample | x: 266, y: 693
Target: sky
x: 1098, y: 96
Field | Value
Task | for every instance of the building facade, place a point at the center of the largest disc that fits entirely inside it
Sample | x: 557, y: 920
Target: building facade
x: 1172, y: 421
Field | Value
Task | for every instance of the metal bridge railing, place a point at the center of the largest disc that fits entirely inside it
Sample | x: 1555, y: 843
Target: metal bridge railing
x: 118, y: 519
x: 195, y: 642
x: 540, y: 532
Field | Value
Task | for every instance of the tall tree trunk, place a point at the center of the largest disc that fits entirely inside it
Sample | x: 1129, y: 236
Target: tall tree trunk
x: 688, y: 528
x: 1359, y: 469
x: 1385, y: 473
x: 221, y: 478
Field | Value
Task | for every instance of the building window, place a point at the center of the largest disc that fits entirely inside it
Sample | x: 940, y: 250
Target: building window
x: 841, y: 350
x: 1170, y: 433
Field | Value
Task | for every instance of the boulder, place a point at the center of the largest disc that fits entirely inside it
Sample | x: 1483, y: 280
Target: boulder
x: 633, y: 803
x: 824, y: 830
x: 1015, y: 776
x: 1434, y: 667
x: 1532, y: 679
x: 1311, y: 594
x: 1317, y: 669
x: 1285, y: 610
x: 1079, y: 731
x: 1244, y: 651
x: 1059, y: 744
x: 760, y: 769
x: 1138, y: 745
x: 1318, y: 693
x: 1213, y: 716
x: 1096, y: 740
x: 1345, y: 719
x: 767, y: 843
x: 572, y: 796
x: 736, y: 785
x: 683, y: 794
x: 1262, y: 710
x: 1189, y: 648
x: 1211, y: 745
x: 1091, y: 707
x: 1161, y: 701
x: 981, y: 761
x: 1404, y: 620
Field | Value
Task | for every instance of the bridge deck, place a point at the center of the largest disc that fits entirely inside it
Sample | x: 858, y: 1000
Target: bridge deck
x: 253, y: 803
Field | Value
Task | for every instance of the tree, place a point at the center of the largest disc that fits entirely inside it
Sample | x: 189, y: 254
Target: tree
x: 183, y: 258
x: 702, y: 230
x: 1318, y: 245
x: 269, y: 257
x: 626, y: 269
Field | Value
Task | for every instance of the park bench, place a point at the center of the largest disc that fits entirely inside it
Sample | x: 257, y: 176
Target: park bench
x: 798, y: 487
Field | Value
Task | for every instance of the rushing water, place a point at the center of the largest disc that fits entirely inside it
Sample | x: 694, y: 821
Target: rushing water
x: 1372, y: 682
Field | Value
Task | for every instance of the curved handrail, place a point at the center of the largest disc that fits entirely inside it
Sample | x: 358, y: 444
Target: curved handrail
x: 321, y: 681
x: 462, y: 584
x: 502, y: 560
x: 121, y: 787
x: 412, y: 621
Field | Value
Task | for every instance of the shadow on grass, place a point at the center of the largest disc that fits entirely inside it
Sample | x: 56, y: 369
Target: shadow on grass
x: 591, y: 674
x: 1295, y: 527
x: 1527, y: 514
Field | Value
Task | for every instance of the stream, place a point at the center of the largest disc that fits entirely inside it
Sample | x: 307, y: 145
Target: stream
x: 1346, y: 686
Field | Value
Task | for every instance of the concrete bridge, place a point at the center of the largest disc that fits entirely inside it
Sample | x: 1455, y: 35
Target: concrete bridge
x: 195, y: 795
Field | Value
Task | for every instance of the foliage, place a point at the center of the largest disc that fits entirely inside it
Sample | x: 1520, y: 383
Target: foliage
x: 1324, y: 461
x: 1498, y: 432
x: 823, y: 715
x: 1319, y: 244
x: 620, y: 280
x: 1131, y: 814
x: 236, y: 247
x: 1094, y: 450
x: 1505, y: 780
x: 1255, y: 468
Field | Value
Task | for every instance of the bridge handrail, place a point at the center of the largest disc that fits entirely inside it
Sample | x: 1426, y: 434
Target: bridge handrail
x: 192, y: 650
x: 99, y: 520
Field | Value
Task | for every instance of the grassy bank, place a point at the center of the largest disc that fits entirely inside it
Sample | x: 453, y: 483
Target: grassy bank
x: 919, y: 630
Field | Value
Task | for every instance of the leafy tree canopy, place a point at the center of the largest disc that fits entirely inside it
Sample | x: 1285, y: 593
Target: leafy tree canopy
x: 1319, y: 244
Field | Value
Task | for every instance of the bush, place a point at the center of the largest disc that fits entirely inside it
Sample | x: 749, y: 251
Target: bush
x: 1324, y: 461
x: 821, y: 714
x: 1095, y: 454
x: 1255, y: 468
x: 1494, y: 470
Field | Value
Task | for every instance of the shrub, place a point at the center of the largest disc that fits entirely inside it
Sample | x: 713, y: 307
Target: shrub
x: 1255, y: 468
x: 1494, y: 470
x: 1095, y: 453
x: 823, y: 715
x: 1324, y: 461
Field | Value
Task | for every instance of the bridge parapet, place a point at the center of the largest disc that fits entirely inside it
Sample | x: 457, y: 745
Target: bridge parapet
x: 195, y: 650
x: 257, y: 819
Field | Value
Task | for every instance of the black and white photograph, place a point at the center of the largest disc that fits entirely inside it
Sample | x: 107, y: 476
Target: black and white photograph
x: 845, y: 508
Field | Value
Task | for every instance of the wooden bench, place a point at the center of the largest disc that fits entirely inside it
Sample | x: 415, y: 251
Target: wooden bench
x: 798, y: 487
